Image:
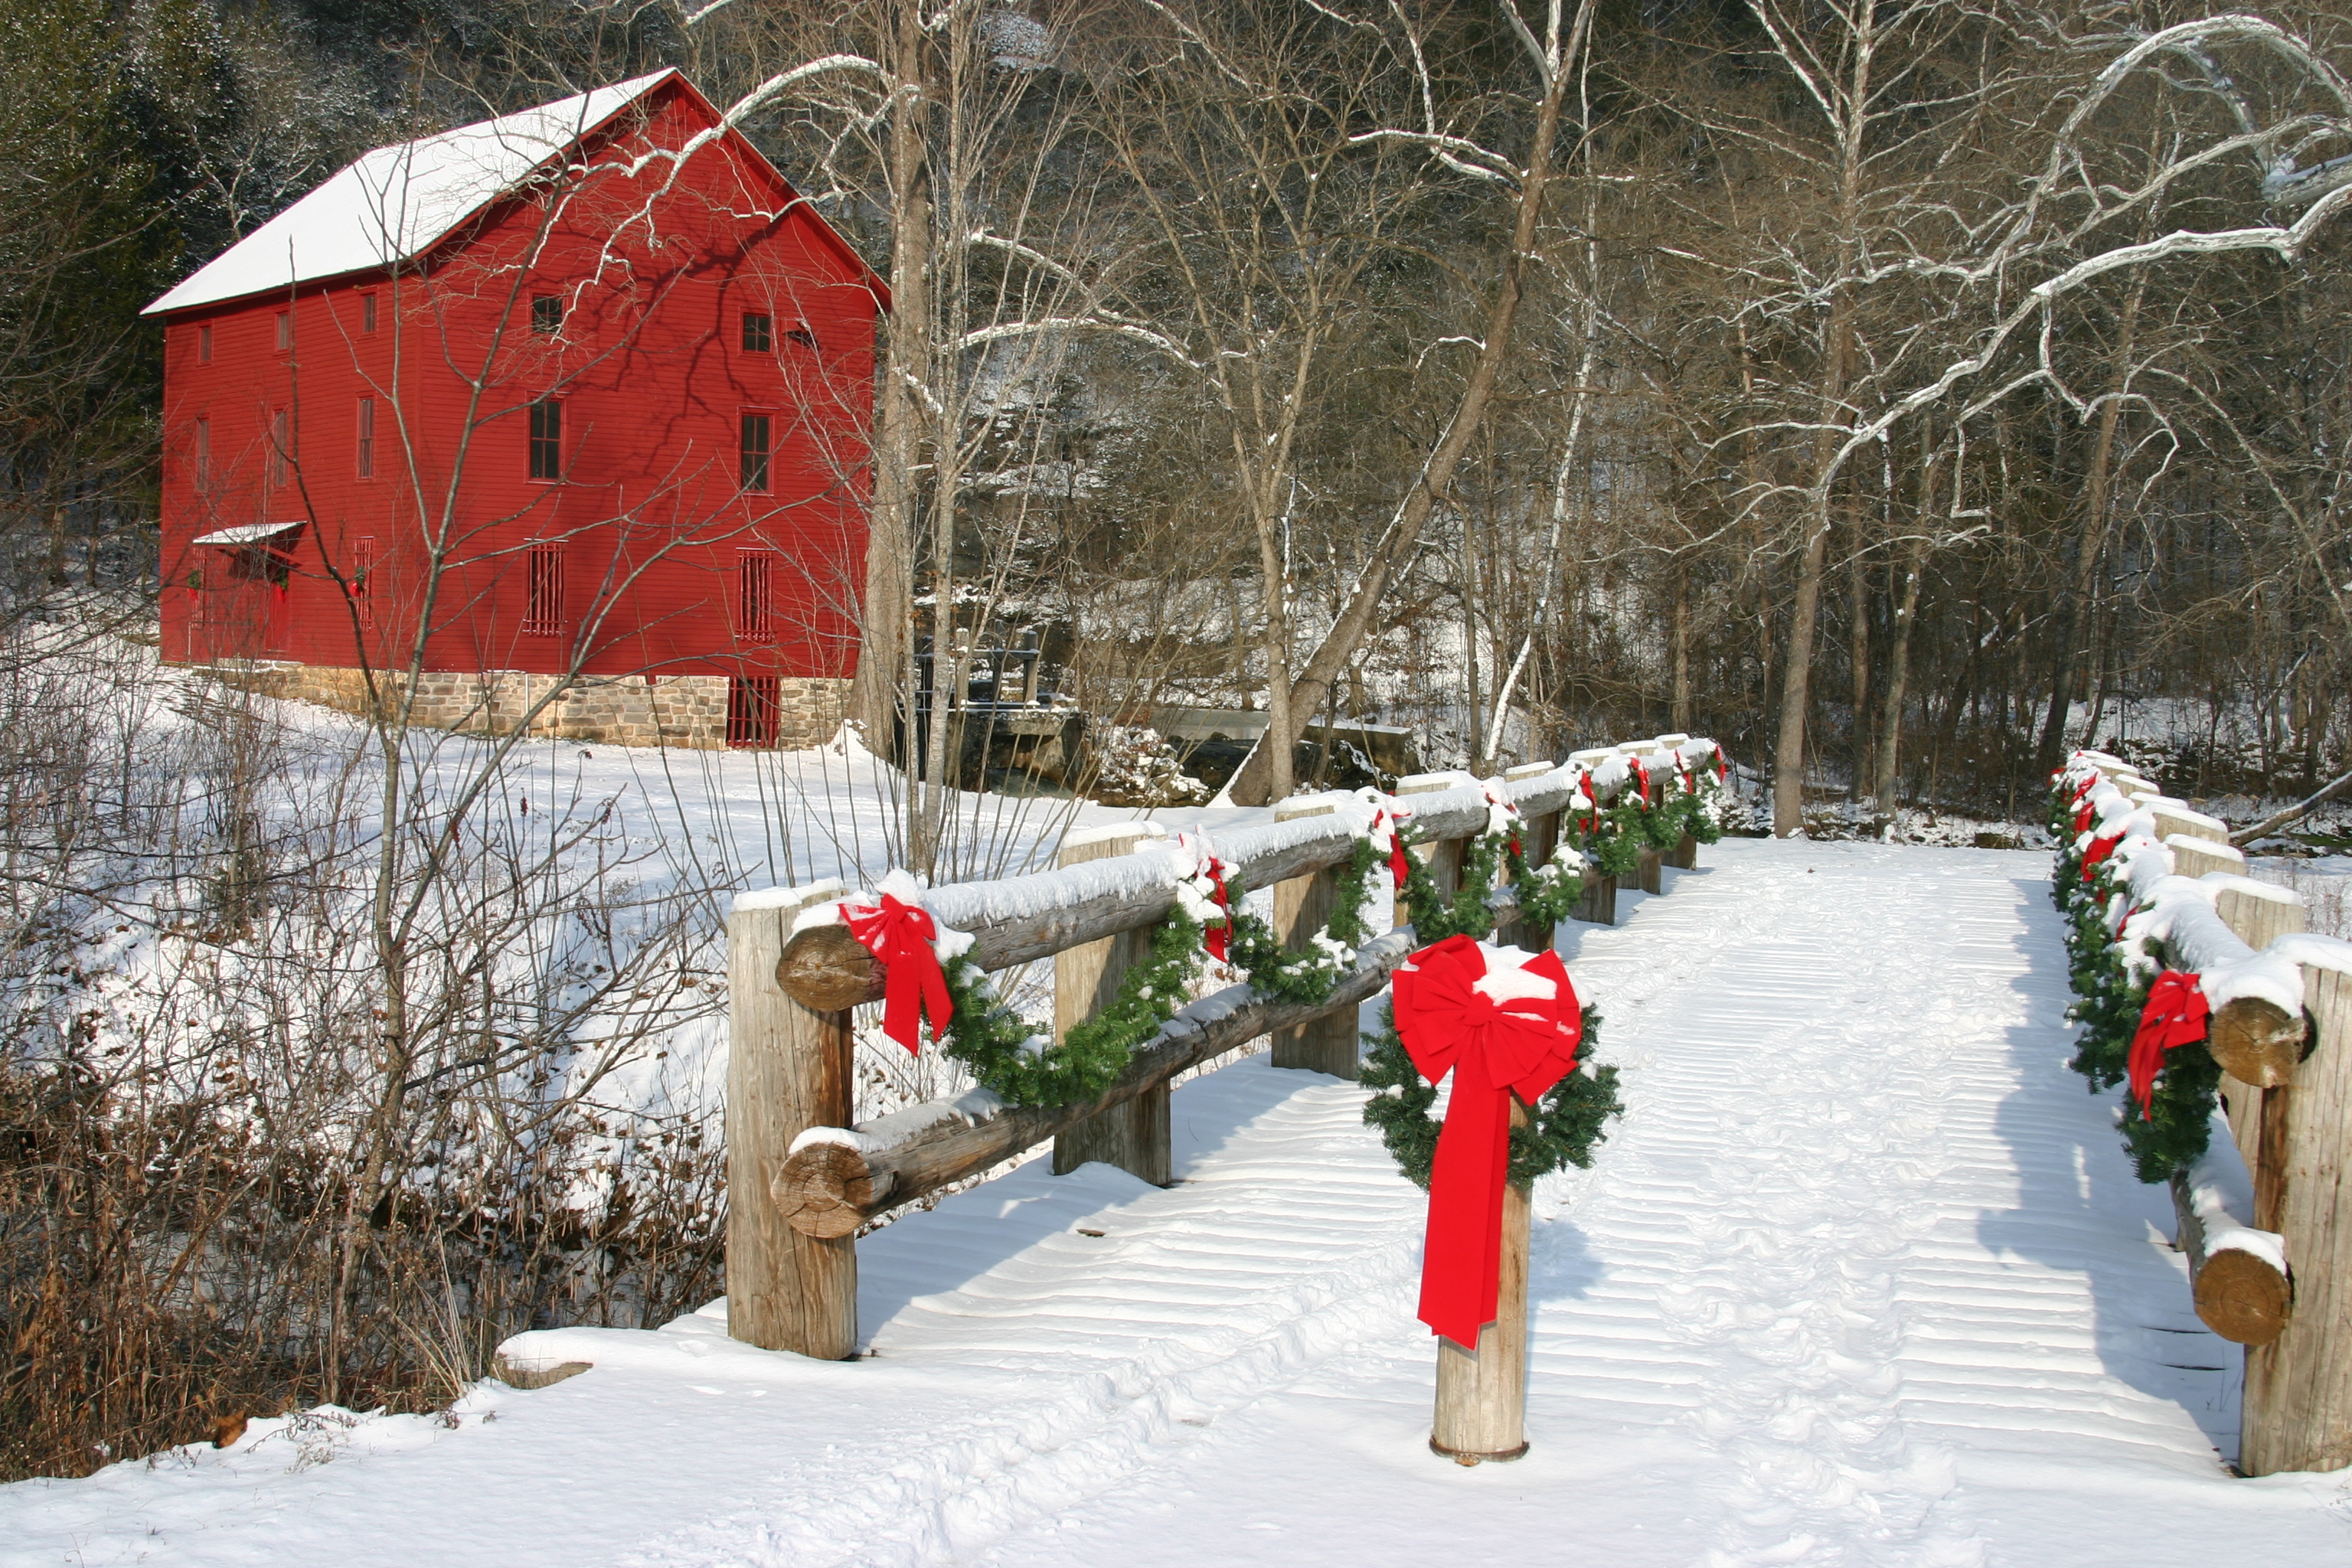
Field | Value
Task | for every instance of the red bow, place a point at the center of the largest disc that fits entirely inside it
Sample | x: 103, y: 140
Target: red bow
x: 1399, y: 863
x: 1494, y: 1047
x: 1494, y: 799
x: 1722, y: 768
x: 2174, y: 1015
x: 1642, y: 776
x: 899, y: 936
x: 2099, y: 850
x: 1218, y: 939
x: 2083, y: 817
x: 2090, y: 782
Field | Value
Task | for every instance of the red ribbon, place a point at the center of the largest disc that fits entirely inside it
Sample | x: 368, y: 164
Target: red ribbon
x: 1519, y: 1045
x: 2090, y: 782
x: 899, y: 936
x: 1218, y: 939
x: 2176, y: 1015
x: 2099, y: 850
x: 2083, y: 817
x: 1494, y: 799
x: 1399, y: 863
x: 1722, y: 768
x: 1642, y: 776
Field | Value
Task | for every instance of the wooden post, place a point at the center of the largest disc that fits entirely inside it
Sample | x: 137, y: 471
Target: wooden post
x: 1482, y: 1397
x: 2298, y: 1409
x: 1302, y: 906
x: 2173, y: 819
x: 1132, y: 1135
x: 1538, y: 840
x: 2256, y: 913
x: 788, y: 1069
x: 1600, y: 902
x: 2201, y: 857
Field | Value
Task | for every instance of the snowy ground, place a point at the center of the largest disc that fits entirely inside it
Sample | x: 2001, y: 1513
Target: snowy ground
x: 1860, y: 1279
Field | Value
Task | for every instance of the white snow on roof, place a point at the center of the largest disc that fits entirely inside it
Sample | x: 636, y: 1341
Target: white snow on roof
x: 398, y: 202
x: 246, y: 534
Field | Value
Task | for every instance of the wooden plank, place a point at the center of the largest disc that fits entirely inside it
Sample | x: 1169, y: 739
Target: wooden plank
x: 788, y: 1069
x: 1482, y: 1395
x: 1645, y: 876
x: 2258, y: 913
x: 1302, y: 906
x: 1684, y: 856
x: 2298, y: 1408
x: 1134, y: 1134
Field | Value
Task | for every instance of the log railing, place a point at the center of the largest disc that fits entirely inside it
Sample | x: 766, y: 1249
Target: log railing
x: 804, y: 1180
x: 2270, y: 1255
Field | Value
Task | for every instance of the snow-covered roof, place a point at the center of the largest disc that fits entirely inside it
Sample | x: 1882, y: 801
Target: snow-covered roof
x: 246, y: 534
x: 398, y: 202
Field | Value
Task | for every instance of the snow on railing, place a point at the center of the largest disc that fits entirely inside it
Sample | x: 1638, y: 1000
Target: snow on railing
x: 2265, y: 1209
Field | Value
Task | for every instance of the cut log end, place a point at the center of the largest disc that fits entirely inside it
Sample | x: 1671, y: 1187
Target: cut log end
x: 827, y: 1190
x: 2256, y: 1042
x: 2243, y: 1298
x: 825, y: 969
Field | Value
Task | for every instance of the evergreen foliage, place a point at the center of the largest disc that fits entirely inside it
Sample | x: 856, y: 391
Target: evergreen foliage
x: 1571, y: 1117
x: 2110, y: 984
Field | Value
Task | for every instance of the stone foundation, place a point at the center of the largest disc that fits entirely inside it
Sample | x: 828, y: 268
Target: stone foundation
x: 682, y: 711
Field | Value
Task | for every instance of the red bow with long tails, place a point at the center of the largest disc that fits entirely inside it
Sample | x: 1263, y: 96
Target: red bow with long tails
x: 2176, y: 1015
x: 1218, y: 939
x: 1399, y: 863
x: 1500, y: 1031
x: 2099, y: 850
x: 899, y: 934
x: 1640, y: 776
x: 2090, y: 782
x: 2083, y: 817
x: 1722, y: 768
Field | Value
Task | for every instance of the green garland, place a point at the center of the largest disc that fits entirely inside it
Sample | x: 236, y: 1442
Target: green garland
x: 1014, y: 1060
x: 1435, y: 917
x: 1570, y: 1119
x: 2110, y: 987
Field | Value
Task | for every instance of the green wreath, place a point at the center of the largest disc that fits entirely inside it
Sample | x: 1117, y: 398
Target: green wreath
x: 1565, y: 1124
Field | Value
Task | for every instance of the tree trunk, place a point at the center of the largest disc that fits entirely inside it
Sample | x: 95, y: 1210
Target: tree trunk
x: 1253, y: 782
x: 1858, y: 656
x: 2091, y: 541
x: 879, y: 697
x: 1796, y: 685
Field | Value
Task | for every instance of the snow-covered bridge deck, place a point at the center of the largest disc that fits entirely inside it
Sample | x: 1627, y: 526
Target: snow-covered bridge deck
x: 1862, y: 1277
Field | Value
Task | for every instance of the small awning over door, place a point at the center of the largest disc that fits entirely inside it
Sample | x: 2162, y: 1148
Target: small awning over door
x: 246, y: 534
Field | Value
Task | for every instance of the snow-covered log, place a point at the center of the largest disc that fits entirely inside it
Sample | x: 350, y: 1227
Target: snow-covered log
x: 2257, y: 1028
x: 1019, y: 919
x: 2239, y: 1274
